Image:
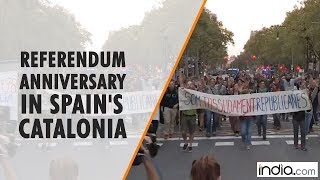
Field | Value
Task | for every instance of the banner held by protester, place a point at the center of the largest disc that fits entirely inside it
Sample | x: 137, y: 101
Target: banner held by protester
x: 246, y: 104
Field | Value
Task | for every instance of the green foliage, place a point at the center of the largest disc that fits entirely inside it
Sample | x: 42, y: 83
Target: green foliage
x: 287, y: 42
x: 209, y: 40
x: 35, y: 25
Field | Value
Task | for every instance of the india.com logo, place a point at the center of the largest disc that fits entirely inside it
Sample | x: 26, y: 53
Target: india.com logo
x: 287, y: 169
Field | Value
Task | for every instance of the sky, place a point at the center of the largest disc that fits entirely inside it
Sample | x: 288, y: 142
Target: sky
x: 100, y: 17
x: 244, y: 16
x: 240, y: 16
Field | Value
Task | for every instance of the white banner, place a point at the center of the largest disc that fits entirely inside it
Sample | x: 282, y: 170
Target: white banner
x: 246, y: 104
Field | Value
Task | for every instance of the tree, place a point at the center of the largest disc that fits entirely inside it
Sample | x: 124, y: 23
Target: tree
x: 287, y: 43
x: 208, y: 43
x: 209, y: 39
x: 37, y: 25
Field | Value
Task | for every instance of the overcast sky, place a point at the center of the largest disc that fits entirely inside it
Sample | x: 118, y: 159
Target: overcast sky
x: 100, y: 17
x: 243, y: 16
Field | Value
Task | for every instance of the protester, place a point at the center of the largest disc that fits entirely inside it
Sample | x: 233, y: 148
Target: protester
x: 315, y: 99
x: 245, y: 121
x: 275, y: 87
x: 188, y: 123
x: 308, y: 113
x: 234, y: 120
x: 219, y: 89
x: 211, y: 117
x: 201, y: 112
x: 298, y: 122
x: 206, y: 168
x: 262, y: 119
x: 170, y: 103
x: 288, y: 84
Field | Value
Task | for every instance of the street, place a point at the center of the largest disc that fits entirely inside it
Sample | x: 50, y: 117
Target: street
x: 236, y: 162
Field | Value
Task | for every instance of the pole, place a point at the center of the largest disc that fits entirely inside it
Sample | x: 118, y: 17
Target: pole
x: 292, y: 65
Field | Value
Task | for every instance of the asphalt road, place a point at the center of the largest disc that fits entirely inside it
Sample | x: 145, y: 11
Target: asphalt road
x: 236, y: 162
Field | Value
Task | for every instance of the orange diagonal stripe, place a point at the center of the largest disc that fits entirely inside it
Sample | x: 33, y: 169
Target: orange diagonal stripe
x: 165, y: 87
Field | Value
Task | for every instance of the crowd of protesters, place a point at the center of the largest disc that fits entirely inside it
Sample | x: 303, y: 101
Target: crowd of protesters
x: 244, y: 83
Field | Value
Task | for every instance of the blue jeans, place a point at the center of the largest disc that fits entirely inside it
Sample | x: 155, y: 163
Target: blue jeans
x: 262, y: 122
x: 211, y: 122
x: 308, y: 117
x: 246, y: 130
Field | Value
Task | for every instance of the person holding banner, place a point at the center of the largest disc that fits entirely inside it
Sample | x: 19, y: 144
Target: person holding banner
x: 219, y: 89
x: 262, y: 119
x: 245, y: 121
x: 234, y: 120
x: 211, y: 121
x: 201, y: 112
x: 298, y: 122
x: 170, y: 103
x: 275, y: 87
x: 188, y: 123
x: 288, y: 84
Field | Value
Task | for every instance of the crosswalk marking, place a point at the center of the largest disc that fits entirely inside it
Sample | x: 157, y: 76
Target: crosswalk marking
x: 233, y: 137
x: 224, y: 144
x: 258, y: 143
x: 193, y: 144
x: 291, y: 142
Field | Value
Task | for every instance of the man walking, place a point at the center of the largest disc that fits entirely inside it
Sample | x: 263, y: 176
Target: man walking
x: 188, y: 123
x: 170, y: 103
x: 262, y: 119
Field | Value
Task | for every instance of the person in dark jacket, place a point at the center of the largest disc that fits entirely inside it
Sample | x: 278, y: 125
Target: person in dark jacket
x: 170, y: 103
x: 298, y: 121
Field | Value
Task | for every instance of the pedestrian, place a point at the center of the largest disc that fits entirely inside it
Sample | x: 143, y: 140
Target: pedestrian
x: 170, y: 103
x: 288, y: 84
x: 206, y: 168
x: 245, y: 121
x: 262, y: 119
x: 219, y: 89
x: 234, y: 120
x: 298, y: 121
x: 308, y: 113
x: 211, y: 117
x: 315, y: 98
x: 188, y: 123
x: 201, y: 112
x: 275, y: 87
